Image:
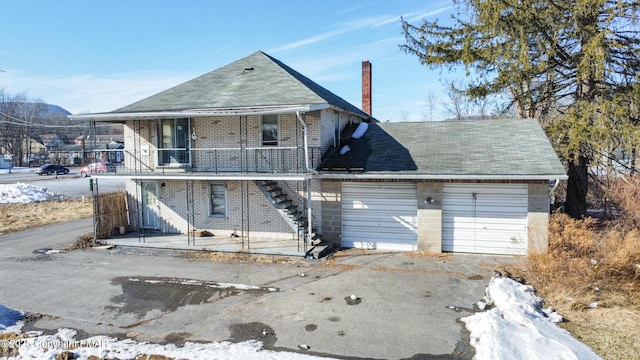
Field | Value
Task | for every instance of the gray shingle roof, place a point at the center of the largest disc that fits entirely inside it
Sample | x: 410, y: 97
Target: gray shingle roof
x: 256, y: 80
x: 514, y: 148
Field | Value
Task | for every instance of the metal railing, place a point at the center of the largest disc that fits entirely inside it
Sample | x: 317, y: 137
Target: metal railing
x: 272, y: 160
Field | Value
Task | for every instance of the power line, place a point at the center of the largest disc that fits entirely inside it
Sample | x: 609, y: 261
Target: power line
x: 25, y: 123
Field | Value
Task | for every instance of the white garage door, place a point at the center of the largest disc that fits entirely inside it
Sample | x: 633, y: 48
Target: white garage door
x: 379, y: 216
x: 485, y: 218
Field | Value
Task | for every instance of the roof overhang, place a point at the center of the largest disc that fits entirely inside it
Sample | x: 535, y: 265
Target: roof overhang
x: 192, y: 176
x: 194, y: 113
x: 466, y: 177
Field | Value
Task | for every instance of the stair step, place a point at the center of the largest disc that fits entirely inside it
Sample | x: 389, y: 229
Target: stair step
x: 267, y: 183
x: 320, y: 250
x: 280, y: 198
x: 292, y: 210
x: 275, y: 191
x: 284, y: 204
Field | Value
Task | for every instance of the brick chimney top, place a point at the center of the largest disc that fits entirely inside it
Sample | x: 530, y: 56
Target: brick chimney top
x: 366, y: 87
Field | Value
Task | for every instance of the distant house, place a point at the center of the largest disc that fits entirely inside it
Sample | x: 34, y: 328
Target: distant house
x: 256, y: 152
x: 83, y: 151
x: 53, y: 141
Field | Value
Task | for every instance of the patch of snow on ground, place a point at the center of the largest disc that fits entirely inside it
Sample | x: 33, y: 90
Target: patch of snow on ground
x: 518, y: 328
x: 21, y: 193
x: 49, y: 346
x: 15, y: 170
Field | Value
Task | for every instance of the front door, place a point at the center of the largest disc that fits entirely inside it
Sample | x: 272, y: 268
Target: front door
x: 150, y: 206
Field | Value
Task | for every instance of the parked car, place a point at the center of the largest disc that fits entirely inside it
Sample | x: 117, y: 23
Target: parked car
x: 48, y: 169
x: 97, y: 168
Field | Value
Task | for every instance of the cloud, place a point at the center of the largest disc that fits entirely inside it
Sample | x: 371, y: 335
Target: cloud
x: 358, y: 24
x: 89, y: 93
x: 411, y: 17
x: 341, y: 29
x: 308, y: 41
x: 354, y: 8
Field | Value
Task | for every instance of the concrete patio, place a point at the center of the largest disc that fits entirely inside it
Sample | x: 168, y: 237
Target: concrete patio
x: 152, y: 239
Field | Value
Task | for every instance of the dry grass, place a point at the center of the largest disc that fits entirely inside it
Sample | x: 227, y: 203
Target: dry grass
x: 10, y: 349
x: 82, y: 242
x: 611, y: 332
x: 591, y: 275
x: 624, y: 194
x: 594, y: 265
x: 245, y: 257
x: 17, y: 217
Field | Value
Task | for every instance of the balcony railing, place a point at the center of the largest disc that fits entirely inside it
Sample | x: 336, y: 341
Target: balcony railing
x: 272, y: 160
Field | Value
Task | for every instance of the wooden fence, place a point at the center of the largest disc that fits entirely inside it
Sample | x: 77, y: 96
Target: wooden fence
x: 110, y: 214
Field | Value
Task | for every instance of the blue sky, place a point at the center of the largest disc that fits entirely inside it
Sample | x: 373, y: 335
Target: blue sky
x: 96, y: 56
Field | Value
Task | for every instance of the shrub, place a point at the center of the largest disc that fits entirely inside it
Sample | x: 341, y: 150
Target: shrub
x: 624, y: 194
x: 587, y: 264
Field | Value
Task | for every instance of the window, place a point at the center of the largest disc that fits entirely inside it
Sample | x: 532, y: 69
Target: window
x: 270, y: 130
x: 175, y: 141
x: 218, y: 200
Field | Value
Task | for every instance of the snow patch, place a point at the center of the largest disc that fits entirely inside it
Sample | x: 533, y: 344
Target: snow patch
x: 21, y: 193
x: 360, y: 130
x: 518, y: 328
x: 105, y: 347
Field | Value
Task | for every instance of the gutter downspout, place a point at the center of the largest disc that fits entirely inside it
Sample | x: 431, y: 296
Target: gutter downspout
x: 553, y: 190
x: 309, y: 170
x: 306, y: 144
x: 555, y: 186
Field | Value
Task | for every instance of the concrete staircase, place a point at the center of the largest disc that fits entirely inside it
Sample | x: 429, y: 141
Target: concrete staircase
x: 294, y: 216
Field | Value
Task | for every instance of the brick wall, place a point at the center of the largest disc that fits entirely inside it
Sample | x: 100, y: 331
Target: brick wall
x: 331, y: 195
x: 538, y: 218
x: 140, y: 151
x: 226, y: 131
x: 131, y: 187
x: 366, y: 87
x: 328, y: 120
x: 429, y: 217
x: 264, y: 221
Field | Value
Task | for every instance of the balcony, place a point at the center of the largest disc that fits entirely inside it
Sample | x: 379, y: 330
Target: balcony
x: 271, y: 160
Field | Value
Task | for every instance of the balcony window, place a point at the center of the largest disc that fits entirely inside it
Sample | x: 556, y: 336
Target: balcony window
x: 174, y: 146
x: 218, y: 201
x: 270, y: 127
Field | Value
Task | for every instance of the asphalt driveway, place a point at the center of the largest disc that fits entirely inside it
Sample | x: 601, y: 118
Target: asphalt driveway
x: 355, y: 305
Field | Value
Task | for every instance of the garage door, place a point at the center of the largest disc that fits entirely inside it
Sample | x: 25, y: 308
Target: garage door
x: 379, y: 216
x: 485, y: 218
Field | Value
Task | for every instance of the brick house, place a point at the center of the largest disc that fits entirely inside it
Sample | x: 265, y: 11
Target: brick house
x: 258, y: 155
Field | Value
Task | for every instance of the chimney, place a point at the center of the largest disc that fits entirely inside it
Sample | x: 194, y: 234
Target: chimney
x: 366, y: 87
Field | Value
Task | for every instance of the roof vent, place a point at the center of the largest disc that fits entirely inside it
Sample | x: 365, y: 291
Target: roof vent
x: 247, y: 69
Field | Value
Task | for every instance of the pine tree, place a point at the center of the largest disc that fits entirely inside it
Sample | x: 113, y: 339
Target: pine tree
x: 574, y: 65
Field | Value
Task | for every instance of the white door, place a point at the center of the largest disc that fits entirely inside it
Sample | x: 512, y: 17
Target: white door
x: 379, y: 216
x: 485, y: 218
x: 150, y: 205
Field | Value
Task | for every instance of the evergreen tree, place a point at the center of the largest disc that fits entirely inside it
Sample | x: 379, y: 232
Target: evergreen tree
x: 572, y: 64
